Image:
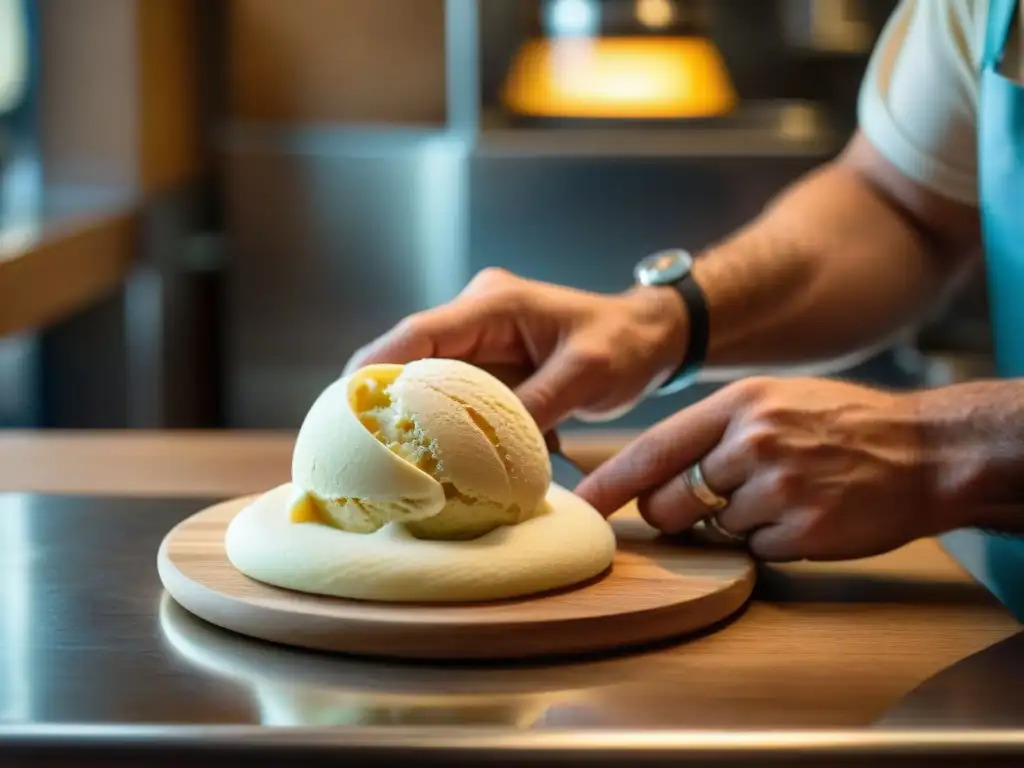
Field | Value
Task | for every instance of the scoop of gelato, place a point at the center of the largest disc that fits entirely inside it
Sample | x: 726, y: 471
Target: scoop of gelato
x: 440, y: 446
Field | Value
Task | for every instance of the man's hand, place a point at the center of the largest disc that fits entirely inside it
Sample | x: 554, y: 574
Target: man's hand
x: 584, y: 353
x: 813, y: 469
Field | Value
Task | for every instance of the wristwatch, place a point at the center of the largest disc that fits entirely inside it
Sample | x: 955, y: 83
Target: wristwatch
x: 673, y: 269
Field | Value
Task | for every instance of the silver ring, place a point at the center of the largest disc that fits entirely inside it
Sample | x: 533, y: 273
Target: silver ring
x: 711, y: 521
x: 694, y: 479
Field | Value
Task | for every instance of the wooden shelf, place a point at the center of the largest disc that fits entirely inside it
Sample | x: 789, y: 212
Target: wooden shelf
x: 783, y: 129
x: 56, y: 265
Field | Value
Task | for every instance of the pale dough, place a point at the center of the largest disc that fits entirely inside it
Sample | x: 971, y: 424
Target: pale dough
x: 567, y: 545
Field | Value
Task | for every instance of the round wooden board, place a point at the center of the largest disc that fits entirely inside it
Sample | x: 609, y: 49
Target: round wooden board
x: 655, y: 590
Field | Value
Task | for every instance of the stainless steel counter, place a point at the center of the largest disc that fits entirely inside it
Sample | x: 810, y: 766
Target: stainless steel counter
x: 97, y: 665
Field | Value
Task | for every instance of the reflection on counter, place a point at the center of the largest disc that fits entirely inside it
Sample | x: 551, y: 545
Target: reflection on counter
x: 298, y: 688
x: 85, y: 639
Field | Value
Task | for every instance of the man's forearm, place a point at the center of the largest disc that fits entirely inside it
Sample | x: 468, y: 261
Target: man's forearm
x: 830, y: 267
x: 972, y: 438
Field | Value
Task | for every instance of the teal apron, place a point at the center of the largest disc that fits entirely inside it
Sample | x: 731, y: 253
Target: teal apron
x: 998, y: 561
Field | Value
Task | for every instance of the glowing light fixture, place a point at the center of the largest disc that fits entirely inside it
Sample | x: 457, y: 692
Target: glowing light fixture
x: 655, y: 14
x: 648, y: 73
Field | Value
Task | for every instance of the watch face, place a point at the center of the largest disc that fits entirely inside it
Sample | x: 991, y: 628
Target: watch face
x: 663, y: 267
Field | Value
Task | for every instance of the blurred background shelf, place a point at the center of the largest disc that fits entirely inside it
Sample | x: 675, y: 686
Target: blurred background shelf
x: 791, y: 129
x: 306, y: 174
x: 56, y: 265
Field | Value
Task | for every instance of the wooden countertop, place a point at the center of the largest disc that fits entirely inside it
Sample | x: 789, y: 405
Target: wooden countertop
x: 831, y: 645
x: 179, y: 463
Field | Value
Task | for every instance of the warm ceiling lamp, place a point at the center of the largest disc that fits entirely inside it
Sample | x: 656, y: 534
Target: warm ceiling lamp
x: 619, y: 59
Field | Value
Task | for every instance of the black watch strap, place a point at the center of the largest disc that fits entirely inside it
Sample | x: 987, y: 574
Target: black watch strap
x: 700, y: 327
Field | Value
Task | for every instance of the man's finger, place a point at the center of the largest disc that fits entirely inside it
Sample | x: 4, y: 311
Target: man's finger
x: 671, y: 508
x: 457, y: 330
x: 674, y: 508
x: 553, y: 442
x: 753, y: 505
x: 658, y: 454
x: 778, y: 543
x: 399, y: 345
x: 560, y: 386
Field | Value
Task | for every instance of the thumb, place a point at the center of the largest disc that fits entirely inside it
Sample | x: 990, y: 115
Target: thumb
x: 559, y: 387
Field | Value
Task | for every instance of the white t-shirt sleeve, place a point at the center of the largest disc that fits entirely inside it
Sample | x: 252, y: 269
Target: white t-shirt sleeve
x: 919, y: 98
